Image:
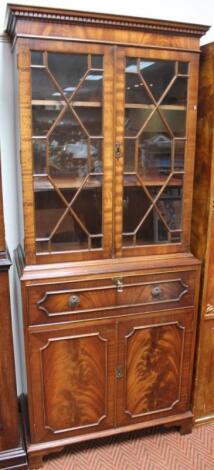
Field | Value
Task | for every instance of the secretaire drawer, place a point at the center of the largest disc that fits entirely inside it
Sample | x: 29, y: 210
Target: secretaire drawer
x: 99, y: 297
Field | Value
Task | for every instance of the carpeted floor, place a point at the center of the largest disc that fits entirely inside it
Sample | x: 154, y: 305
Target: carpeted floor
x: 153, y: 449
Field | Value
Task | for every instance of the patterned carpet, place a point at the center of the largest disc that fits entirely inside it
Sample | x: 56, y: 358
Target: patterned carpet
x: 153, y: 449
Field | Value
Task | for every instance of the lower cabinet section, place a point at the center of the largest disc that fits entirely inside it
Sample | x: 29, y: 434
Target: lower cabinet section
x: 72, y: 379
x: 91, y: 376
x: 155, y: 358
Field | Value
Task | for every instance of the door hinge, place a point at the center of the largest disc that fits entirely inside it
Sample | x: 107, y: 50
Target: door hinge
x: 119, y: 372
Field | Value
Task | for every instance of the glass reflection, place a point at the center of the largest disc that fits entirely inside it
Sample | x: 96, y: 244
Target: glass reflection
x: 134, y: 120
x: 154, y: 149
x: 176, y: 119
x: 136, y: 91
x: 67, y: 69
x: 91, y: 119
x: 43, y: 117
x: 157, y: 74
x: 39, y: 156
x: 177, y: 95
x: 91, y: 89
x: 68, y: 149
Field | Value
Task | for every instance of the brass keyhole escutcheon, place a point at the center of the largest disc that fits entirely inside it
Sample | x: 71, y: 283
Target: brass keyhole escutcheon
x: 119, y: 372
x: 117, y: 150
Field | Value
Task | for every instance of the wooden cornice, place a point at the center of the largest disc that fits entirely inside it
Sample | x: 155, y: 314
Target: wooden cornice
x: 19, y: 12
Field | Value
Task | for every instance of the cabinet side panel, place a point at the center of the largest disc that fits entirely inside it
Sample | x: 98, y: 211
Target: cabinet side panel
x: 203, y: 232
x: 9, y: 434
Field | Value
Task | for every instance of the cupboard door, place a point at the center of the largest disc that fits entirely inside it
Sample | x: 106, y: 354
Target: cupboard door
x: 72, y: 380
x: 71, y: 116
x: 154, y: 131
x: 155, y: 362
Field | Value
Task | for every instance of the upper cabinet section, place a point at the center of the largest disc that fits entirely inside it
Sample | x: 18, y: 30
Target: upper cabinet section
x: 107, y: 124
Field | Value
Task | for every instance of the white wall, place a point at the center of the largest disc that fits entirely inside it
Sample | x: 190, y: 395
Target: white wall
x: 193, y: 11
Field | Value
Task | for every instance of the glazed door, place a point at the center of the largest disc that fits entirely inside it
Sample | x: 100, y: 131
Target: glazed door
x: 154, y: 359
x: 155, y: 123
x: 66, y: 94
x: 72, y: 380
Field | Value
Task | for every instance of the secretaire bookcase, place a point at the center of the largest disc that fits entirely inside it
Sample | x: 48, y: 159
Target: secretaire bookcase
x: 107, y: 109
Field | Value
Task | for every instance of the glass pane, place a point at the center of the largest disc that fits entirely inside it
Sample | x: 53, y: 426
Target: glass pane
x: 42, y: 246
x: 135, y: 205
x: 68, y: 201
x: 135, y: 90
x: 48, y: 208
x: 179, y: 155
x: 96, y: 147
x: 68, y: 150
x: 157, y: 74
x: 91, y: 119
x: 69, y: 236
x: 43, y: 87
x: 91, y: 89
x: 129, y: 161
x: 183, y: 67
x: 67, y: 69
x: 175, y: 237
x: 154, y: 149
x: 88, y: 205
x: 134, y: 120
x: 43, y: 118
x: 127, y: 240
x: 152, y: 230
x: 170, y: 205
x: 177, y: 95
x: 96, y: 242
x: 131, y: 65
x: 39, y: 156
x: 176, y: 120
x: 36, y: 58
x: 97, y: 61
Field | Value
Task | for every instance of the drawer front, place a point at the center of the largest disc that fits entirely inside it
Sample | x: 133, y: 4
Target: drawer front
x: 103, y: 297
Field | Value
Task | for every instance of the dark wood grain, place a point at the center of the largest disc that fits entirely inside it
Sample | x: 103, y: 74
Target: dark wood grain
x: 156, y: 355
x: 72, y: 379
x: 98, y: 298
x: 203, y: 235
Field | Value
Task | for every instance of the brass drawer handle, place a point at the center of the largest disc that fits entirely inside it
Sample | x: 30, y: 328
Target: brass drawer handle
x: 156, y: 291
x: 74, y: 301
x: 118, y: 283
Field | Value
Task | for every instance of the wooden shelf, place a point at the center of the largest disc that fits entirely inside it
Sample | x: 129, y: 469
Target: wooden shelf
x: 131, y: 181
x: 98, y: 104
x: 40, y: 184
x: 61, y: 103
x: 167, y: 107
x: 74, y: 183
